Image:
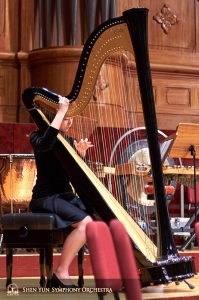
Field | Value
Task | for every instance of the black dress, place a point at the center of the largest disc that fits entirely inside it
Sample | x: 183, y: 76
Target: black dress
x: 52, y: 191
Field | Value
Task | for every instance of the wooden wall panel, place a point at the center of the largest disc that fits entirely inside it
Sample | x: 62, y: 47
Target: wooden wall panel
x: 8, y: 87
x: 2, y: 16
x: 127, y: 4
x: 11, y: 25
x: 171, y: 53
x: 24, y: 81
x: 16, y: 33
x: 55, y: 68
x: 197, y: 25
x: 175, y: 84
x: 179, y: 19
x: 176, y: 99
x: 172, y: 24
x: 26, y: 25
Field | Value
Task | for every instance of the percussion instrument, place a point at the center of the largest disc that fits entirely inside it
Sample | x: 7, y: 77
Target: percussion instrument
x: 17, y: 175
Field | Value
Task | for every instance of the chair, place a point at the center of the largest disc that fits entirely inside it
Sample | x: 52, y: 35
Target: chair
x: 35, y: 230
x: 191, y: 199
x: 126, y: 260
x: 197, y: 232
x: 103, y: 258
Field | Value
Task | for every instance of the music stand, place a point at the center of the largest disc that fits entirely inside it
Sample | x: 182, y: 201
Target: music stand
x: 186, y: 145
x: 187, y: 134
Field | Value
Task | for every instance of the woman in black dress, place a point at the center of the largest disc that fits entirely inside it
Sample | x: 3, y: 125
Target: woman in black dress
x: 53, y: 192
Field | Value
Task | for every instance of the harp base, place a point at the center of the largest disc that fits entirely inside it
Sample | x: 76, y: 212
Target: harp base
x: 176, y: 271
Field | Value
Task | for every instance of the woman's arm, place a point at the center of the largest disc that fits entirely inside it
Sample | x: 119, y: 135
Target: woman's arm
x: 44, y: 142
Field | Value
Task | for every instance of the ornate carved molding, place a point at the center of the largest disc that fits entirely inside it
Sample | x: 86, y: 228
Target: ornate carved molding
x: 166, y: 18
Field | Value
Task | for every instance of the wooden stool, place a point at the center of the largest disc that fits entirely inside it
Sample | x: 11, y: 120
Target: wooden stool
x: 35, y: 230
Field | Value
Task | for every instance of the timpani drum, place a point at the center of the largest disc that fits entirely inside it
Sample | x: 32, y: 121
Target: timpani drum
x: 17, y: 178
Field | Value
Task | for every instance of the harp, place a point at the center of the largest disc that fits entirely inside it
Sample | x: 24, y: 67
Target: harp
x: 159, y: 262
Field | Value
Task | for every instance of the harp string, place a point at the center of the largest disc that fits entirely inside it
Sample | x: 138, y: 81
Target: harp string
x: 116, y: 71
x: 135, y: 183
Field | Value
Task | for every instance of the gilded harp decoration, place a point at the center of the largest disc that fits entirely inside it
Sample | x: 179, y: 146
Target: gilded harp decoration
x: 114, y: 42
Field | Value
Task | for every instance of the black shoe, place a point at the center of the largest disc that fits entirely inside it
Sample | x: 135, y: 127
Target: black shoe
x: 56, y: 283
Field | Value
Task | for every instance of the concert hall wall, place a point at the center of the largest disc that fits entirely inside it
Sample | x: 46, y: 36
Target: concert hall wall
x: 173, y: 47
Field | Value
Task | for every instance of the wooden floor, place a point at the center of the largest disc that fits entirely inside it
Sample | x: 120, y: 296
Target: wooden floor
x: 28, y: 288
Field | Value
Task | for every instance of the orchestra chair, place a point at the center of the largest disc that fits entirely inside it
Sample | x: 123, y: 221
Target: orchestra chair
x: 191, y: 199
x: 35, y: 230
x: 197, y: 232
x: 103, y: 258
x: 126, y: 260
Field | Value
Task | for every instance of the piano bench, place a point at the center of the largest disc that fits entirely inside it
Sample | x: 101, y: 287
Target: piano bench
x: 35, y: 230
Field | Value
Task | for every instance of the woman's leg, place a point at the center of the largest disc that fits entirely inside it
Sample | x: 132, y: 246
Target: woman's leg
x: 73, y: 243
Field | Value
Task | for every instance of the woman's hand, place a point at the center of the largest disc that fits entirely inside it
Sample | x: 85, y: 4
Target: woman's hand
x: 82, y: 146
x: 63, y: 104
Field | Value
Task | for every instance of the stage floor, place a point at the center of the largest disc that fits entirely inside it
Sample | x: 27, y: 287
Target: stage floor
x: 29, y: 288
x: 26, y: 264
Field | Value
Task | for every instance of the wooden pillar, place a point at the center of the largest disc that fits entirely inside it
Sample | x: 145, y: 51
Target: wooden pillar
x: 26, y: 43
